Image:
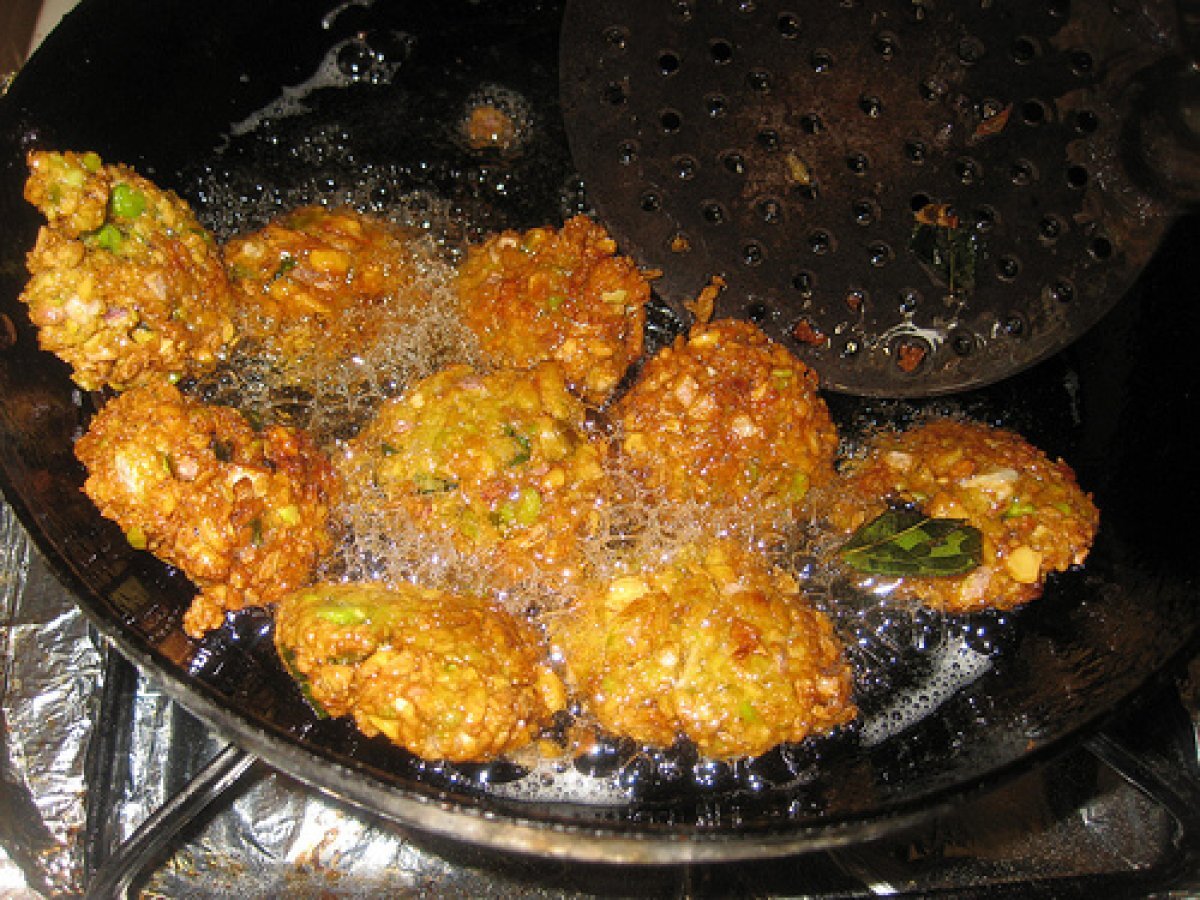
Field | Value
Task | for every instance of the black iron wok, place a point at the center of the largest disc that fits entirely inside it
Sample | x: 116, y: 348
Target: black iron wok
x: 167, y: 88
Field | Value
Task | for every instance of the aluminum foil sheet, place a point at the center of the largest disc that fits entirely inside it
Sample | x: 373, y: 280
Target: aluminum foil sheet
x: 49, y: 688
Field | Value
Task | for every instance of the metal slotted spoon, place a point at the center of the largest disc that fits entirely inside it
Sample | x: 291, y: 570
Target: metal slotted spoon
x: 914, y: 197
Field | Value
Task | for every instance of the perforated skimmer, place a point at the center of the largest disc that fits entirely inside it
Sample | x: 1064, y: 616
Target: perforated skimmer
x: 914, y: 197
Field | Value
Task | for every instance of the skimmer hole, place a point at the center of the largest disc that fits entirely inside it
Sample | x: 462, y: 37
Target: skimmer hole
x: 1061, y: 291
x: 967, y: 170
x: 1024, y: 50
x: 932, y: 89
x: 1008, y: 268
x: 864, y: 211
x: 820, y: 242
x: 1101, y: 248
x: 1051, y: 228
x: 788, y: 25
x: 668, y: 63
x: 758, y: 312
x: 970, y: 50
x: 1034, y: 112
x: 713, y: 212
x: 759, y: 81
x: 721, y: 52
x: 885, y: 44
x: 871, y: 106
x: 985, y: 218
x: 753, y: 253
x: 770, y: 210
x: 1022, y: 173
x: 768, y: 139
x: 1086, y: 121
x: 685, y: 167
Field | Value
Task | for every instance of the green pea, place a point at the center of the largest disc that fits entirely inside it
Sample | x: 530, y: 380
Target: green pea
x: 343, y: 615
x: 126, y: 202
x: 109, y: 237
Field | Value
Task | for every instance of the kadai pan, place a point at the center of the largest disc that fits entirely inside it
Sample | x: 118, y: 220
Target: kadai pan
x: 294, y: 102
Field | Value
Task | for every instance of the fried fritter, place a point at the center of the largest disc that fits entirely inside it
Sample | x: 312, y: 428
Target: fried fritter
x: 726, y: 417
x: 557, y: 294
x: 243, y: 514
x: 713, y: 646
x: 317, y: 282
x: 500, y: 462
x: 1033, y: 517
x: 445, y: 676
x: 126, y: 286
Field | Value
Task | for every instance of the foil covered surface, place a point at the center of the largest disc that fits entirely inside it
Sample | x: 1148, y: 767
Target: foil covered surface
x: 49, y: 687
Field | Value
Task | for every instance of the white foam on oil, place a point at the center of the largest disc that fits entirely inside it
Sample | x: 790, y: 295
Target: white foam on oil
x: 552, y: 780
x: 955, y: 665
x: 374, y: 68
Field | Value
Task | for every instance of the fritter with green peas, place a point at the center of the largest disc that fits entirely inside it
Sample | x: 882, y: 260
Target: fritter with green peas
x: 1033, y: 517
x: 713, y: 646
x: 442, y: 675
x: 727, y: 417
x: 242, y: 513
x: 500, y: 462
x: 316, y: 282
x: 126, y: 286
x: 557, y: 294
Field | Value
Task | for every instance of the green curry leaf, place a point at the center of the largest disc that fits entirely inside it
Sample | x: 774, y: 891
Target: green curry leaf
x: 905, y: 541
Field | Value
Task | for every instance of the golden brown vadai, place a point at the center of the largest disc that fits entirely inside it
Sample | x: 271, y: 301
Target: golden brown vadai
x: 242, y: 513
x: 727, y: 417
x: 714, y: 646
x: 1033, y: 516
x: 443, y: 675
x: 500, y: 463
x: 557, y: 294
x: 126, y: 286
x: 317, y: 281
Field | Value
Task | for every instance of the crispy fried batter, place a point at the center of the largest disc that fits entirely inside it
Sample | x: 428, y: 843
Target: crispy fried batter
x: 445, y: 676
x: 727, y: 417
x: 126, y: 286
x: 500, y: 462
x: 317, y: 282
x: 557, y: 294
x: 1033, y: 516
x: 242, y: 514
x: 715, y: 647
